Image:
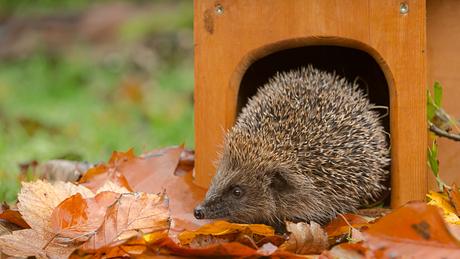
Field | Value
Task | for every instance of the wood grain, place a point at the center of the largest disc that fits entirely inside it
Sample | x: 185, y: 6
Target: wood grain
x: 227, y: 44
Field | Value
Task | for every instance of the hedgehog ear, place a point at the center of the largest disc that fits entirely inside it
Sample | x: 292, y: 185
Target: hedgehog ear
x: 278, y: 182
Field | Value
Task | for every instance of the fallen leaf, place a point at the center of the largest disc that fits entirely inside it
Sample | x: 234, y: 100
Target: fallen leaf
x: 12, y: 215
x: 167, y: 246
x: 223, y: 229
x: 442, y: 201
x: 110, y: 186
x: 186, y: 162
x: 7, y: 227
x: 131, y: 215
x: 76, y: 219
x: 305, y: 238
x: 96, y: 177
x: 29, y: 242
x: 38, y: 199
x: 343, y: 224
x: 153, y: 172
x: 416, y: 230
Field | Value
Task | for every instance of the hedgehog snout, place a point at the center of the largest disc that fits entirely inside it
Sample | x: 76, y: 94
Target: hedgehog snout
x: 198, y: 212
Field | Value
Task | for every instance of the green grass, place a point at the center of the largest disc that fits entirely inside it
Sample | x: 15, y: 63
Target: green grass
x: 53, y: 108
x: 82, y: 103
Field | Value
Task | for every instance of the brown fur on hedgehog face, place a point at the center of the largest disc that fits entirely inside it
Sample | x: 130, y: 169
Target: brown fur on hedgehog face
x: 306, y: 147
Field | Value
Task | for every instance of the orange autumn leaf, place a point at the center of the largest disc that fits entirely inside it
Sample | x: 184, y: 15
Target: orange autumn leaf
x: 131, y: 215
x: 13, y: 216
x: 97, y: 176
x: 155, y: 171
x: 224, y: 228
x: 36, y: 203
x: 343, y: 223
x: 417, y: 230
x: 76, y: 218
x: 167, y: 246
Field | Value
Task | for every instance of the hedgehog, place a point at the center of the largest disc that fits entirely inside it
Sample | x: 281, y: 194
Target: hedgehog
x: 307, y: 146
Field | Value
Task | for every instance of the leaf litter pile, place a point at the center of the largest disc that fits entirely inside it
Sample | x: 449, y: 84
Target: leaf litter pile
x: 141, y: 207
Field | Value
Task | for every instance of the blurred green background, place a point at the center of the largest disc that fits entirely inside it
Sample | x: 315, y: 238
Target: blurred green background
x: 81, y: 78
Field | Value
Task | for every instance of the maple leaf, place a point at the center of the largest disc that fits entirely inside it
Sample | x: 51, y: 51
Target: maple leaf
x: 305, y: 238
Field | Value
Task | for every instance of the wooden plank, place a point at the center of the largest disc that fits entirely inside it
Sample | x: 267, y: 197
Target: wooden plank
x: 227, y: 42
x: 401, y: 41
x: 443, y: 41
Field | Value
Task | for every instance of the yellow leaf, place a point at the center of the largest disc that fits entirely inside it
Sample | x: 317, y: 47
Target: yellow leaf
x: 441, y: 200
x: 220, y: 228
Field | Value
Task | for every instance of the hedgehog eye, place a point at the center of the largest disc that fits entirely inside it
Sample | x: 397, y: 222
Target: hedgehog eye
x: 237, y: 192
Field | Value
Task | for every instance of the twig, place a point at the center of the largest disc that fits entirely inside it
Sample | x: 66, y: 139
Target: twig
x: 443, y: 133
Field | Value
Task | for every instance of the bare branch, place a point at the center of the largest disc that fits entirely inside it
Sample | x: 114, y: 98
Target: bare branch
x: 443, y: 133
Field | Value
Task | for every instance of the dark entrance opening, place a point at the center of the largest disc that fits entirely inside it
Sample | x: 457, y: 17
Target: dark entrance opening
x: 353, y: 64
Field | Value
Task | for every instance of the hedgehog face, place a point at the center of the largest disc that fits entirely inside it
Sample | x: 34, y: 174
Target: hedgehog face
x: 242, y: 196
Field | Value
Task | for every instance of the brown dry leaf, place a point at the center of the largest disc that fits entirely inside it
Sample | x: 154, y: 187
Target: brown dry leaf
x: 97, y: 176
x: 154, y: 172
x: 186, y: 162
x: 29, y: 242
x: 415, y: 230
x: 38, y: 199
x: 131, y: 215
x: 340, y: 227
x: 12, y: 215
x: 110, y: 186
x: 167, y: 246
x: 76, y: 219
x: 305, y: 238
x: 226, y: 231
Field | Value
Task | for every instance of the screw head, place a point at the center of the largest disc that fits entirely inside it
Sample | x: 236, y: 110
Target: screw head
x: 403, y: 8
x: 219, y: 9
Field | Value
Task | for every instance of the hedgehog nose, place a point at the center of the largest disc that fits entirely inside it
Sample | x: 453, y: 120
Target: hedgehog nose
x: 198, y: 213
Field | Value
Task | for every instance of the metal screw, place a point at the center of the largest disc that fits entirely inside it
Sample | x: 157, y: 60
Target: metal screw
x: 219, y: 9
x: 403, y: 8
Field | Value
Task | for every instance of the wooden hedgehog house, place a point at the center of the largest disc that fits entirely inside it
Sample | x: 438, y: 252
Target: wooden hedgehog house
x: 380, y: 43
